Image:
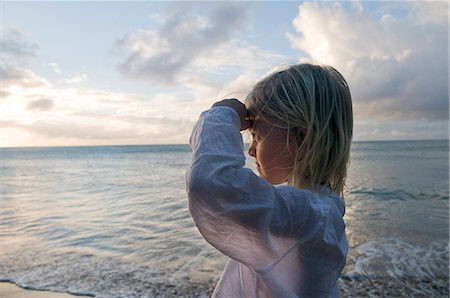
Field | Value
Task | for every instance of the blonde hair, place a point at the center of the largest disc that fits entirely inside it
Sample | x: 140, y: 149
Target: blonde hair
x: 314, y: 104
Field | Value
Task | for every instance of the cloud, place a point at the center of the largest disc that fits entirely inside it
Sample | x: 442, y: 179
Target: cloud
x: 77, y: 78
x: 42, y: 104
x: 12, y: 76
x: 75, y: 116
x: 4, y: 94
x: 16, y: 52
x: 396, y: 66
x: 14, y: 47
x: 55, y: 67
x: 184, y: 36
x: 238, y: 56
x: 401, y: 130
x: 71, y: 130
x: 134, y: 131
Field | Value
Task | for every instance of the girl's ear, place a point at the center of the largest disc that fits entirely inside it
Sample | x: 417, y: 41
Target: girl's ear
x: 299, y: 134
x: 303, y: 132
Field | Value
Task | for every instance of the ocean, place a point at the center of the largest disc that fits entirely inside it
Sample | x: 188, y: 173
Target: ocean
x: 113, y: 221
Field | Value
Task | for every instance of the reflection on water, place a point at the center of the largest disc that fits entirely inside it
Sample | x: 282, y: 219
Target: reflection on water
x: 116, y: 201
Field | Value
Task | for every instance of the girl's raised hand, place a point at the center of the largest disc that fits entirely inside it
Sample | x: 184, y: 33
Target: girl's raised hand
x: 239, y: 107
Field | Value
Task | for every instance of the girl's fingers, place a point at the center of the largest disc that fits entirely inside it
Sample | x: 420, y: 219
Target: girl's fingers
x: 239, y: 107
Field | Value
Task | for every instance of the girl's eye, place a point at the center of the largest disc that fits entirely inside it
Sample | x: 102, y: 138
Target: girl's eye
x: 254, y: 135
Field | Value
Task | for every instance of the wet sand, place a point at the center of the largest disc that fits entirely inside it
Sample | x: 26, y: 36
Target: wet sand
x: 385, y: 287
x: 350, y: 288
x: 10, y: 290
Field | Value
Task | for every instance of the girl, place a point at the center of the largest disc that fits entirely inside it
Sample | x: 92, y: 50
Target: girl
x: 285, y: 240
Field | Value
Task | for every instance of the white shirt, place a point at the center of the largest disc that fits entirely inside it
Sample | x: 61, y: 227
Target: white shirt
x: 282, y: 241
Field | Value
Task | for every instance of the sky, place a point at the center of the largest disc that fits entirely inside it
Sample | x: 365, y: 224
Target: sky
x: 125, y: 73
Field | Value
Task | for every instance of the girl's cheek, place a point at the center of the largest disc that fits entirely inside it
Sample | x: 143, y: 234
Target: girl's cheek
x: 252, y: 149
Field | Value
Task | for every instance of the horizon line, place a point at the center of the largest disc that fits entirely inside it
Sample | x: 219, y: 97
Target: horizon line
x: 186, y: 144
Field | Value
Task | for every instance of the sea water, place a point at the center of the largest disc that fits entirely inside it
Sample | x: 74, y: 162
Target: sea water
x: 114, y: 222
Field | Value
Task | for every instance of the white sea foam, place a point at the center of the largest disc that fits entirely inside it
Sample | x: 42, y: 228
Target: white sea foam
x: 401, y: 261
x: 90, y: 275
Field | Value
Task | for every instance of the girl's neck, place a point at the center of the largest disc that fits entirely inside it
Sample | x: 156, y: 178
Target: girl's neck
x: 306, y: 184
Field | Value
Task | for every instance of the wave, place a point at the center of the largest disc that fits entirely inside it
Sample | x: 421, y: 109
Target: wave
x: 90, y: 275
x: 417, y: 269
x: 395, y: 194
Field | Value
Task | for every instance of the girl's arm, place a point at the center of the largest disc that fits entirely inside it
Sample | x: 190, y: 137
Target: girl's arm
x: 239, y: 213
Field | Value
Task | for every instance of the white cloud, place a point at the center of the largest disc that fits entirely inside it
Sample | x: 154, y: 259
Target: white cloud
x: 51, y: 115
x: 372, y: 130
x: 142, y: 131
x: 68, y: 133
x: 196, y: 48
x: 202, y: 96
x: 19, y: 77
x: 55, y: 67
x: 238, y: 56
x: 397, y: 67
x: 166, y: 54
x: 55, y: 115
x: 77, y: 78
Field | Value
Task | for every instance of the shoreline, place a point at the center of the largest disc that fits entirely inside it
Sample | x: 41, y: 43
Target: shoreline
x: 350, y: 288
x: 11, y: 290
x: 194, y: 289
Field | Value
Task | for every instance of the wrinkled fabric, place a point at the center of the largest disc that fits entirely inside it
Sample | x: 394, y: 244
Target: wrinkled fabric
x: 282, y: 241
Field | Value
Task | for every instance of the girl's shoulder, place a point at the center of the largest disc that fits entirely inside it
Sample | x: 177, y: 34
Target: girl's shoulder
x: 305, y: 214
x: 322, y: 200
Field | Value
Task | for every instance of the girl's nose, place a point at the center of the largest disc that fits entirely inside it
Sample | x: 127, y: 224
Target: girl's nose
x: 252, y: 149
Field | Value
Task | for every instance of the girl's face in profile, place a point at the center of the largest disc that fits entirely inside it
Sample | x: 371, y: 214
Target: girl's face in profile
x: 274, y: 160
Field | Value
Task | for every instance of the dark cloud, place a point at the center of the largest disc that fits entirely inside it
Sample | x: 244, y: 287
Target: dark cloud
x: 396, y: 66
x: 4, y: 94
x: 161, y: 55
x: 16, y: 52
x: 15, y: 48
x: 42, y: 104
x: 13, y: 75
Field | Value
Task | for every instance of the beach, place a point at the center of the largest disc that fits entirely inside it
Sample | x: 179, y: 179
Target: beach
x: 349, y: 288
x: 393, y: 288
x: 10, y: 290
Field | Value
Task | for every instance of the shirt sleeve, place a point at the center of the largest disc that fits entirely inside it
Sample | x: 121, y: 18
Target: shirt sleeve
x: 238, y: 212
